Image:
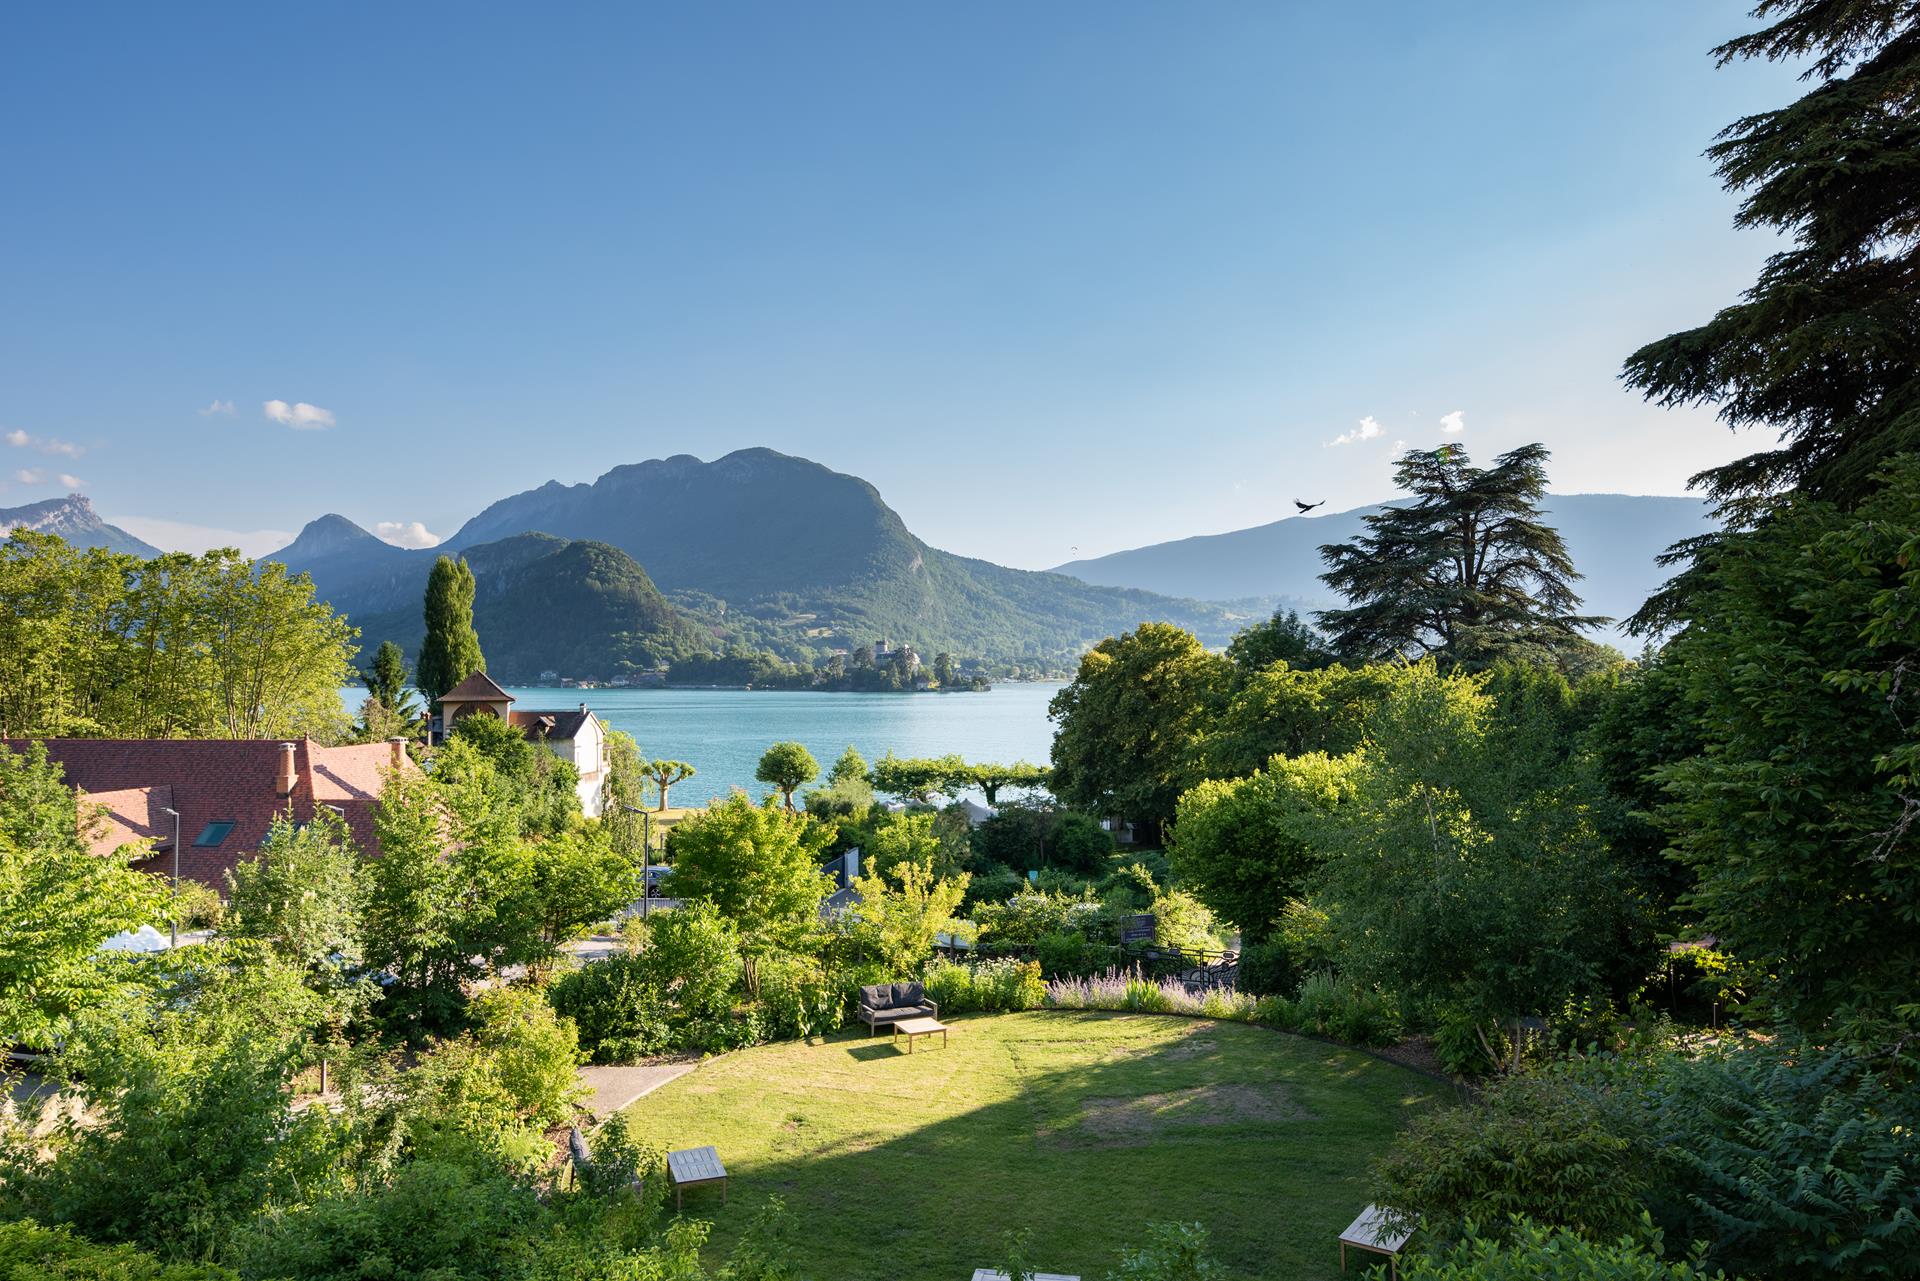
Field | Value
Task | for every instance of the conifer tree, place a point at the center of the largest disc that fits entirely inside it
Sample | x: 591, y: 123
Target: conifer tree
x: 1467, y: 572
x: 1824, y: 349
x: 451, y: 651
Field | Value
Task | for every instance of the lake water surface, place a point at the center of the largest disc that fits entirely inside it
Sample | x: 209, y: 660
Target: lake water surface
x: 721, y: 732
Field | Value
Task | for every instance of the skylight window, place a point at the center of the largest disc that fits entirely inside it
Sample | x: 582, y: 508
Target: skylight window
x: 213, y: 833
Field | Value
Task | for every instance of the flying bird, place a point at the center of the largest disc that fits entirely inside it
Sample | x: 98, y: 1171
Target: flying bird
x: 1307, y: 507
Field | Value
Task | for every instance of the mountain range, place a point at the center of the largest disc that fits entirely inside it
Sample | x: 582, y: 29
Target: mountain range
x: 759, y: 552
x: 74, y: 520
x: 754, y: 550
x: 1613, y: 539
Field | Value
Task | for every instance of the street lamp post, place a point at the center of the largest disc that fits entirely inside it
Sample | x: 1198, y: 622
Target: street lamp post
x: 173, y: 914
x: 646, y: 853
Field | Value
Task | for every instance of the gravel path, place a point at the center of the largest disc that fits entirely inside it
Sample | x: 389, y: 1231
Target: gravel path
x: 616, y: 1086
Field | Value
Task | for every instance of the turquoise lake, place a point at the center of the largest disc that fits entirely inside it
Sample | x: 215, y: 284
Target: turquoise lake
x: 721, y: 732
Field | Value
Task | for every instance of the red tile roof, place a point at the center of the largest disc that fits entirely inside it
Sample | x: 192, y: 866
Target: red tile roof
x: 218, y: 780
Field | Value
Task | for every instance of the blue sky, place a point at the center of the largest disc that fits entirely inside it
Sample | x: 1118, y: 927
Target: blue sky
x: 1058, y: 279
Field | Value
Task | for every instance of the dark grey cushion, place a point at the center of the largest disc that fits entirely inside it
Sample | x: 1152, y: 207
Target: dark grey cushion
x: 877, y: 997
x: 907, y: 995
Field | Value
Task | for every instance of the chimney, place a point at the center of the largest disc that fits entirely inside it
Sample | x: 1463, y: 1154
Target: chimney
x: 397, y: 751
x: 283, y: 780
x: 583, y: 707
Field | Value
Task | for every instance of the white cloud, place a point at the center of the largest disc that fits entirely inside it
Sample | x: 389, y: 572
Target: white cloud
x: 30, y: 475
x: 1367, y: 430
x: 177, y: 536
x: 71, y: 481
x: 299, y: 415
x: 406, y: 533
x: 222, y: 407
x: 45, y: 444
x: 1454, y: 423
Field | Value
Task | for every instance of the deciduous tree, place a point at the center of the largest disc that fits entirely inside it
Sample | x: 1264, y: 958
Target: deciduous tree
x: 787, y: 767
x: 59, y: 901
x: 665, y: 774
x: 1247, y: 847
x: 1126, y: 719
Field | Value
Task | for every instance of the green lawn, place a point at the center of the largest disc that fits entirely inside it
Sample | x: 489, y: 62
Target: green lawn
x: 1080, y: 1126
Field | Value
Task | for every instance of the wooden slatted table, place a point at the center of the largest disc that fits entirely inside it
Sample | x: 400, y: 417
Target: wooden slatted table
x: 1375, y: 1233
x: 918, y: 1028
x: 695, y: 1165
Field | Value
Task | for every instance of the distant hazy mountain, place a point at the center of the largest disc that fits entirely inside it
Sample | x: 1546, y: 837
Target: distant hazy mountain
x: 74, y: 519
x: 1613, y: 538
x: 770, y: 550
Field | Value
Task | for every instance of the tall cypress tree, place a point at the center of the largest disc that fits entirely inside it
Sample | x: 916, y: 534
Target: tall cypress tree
x: 451, y: 651
x: 1467, y: 572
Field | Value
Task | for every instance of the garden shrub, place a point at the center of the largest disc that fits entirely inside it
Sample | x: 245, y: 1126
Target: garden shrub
x: 1556, y: 1146
x: 1457, y: 1042
x: 1527, y: 1251
x: 1026, y: 918
x: 994, y: 884
x: 432, y: 1219
x: 1173, y: 1252
x: 985, y: 986
x: 800, y: 999
x: 533, y: 1050
x: 1069, y: 953
x: 1791, y: 1161
x: 1267, y: 969
x: 1079, y: 844
x: 29, y: 1252
x: 693, y: 955
x: 620, y: 1014
x: 1181, y: 921
x: 1128, y: 889
x: 1346, y: 1011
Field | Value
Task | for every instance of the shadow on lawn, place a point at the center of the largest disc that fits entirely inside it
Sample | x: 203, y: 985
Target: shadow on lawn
x: 1263, y: 1138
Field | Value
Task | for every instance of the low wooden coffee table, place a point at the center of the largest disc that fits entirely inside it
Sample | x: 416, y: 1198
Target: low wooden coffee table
x: 919, y: 1027
x: 695, y: 1165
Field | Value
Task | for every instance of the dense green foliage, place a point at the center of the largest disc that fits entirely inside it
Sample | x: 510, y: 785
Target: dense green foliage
x: 1548, y: 1145
x: 1796, y: 817
x: 1126, y: 719
x: 1458, y: 874
x: 29, y: 1252
x: 545, y: 789
x: 1249, y: 845
x: 1782, y: 1159
x: 451, y: 650
x: 212, y: 646
x: 1526, y: 1251
x: 787, y: 767
x: 58, y: 901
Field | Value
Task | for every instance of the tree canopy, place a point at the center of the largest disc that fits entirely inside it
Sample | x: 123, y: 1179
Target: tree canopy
x: 787, y: 767
x: 1468, y: 571
x: 451, y: 651
x: 1126, y: 719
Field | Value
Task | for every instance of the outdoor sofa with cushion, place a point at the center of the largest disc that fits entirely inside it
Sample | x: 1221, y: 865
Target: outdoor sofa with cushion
x: 890, y: 1002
